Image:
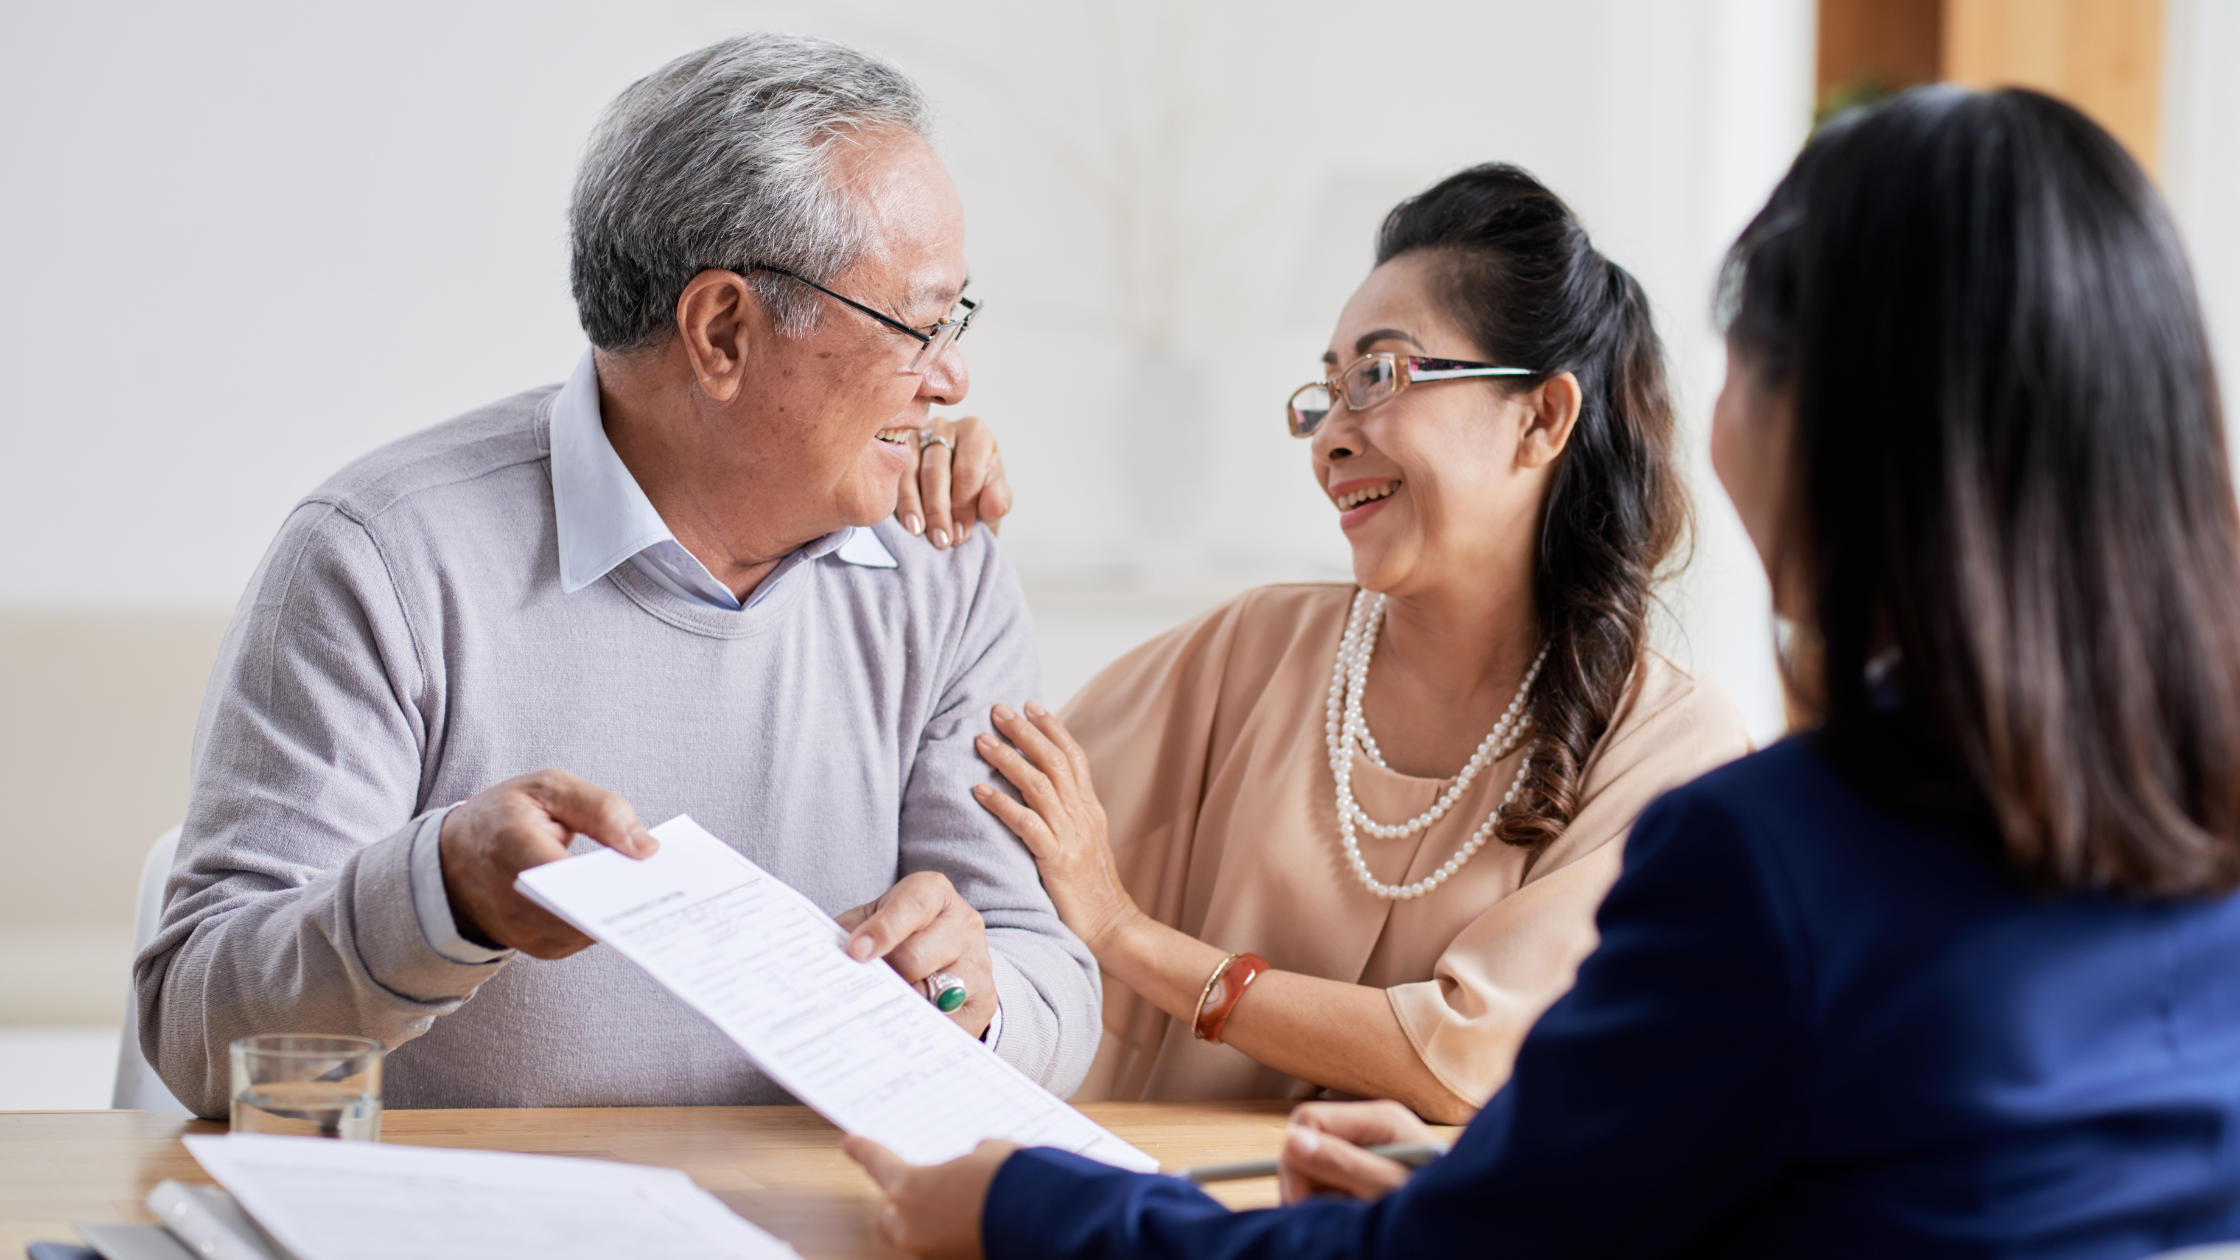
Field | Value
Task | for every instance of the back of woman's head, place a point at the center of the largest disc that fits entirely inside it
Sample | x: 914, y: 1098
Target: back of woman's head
x: 1520, y: 276
x: 2010, y: 469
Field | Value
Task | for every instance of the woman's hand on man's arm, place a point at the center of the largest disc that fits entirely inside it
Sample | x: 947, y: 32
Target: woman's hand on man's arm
x: 1062, y: 823
x: 1339, y: 1034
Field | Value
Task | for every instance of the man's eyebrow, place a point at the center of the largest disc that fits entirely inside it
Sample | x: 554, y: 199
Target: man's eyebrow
x: 935, y: 292
x: 1369, y: 339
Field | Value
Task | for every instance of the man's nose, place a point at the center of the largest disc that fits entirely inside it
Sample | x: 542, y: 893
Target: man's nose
x: 946, y: 379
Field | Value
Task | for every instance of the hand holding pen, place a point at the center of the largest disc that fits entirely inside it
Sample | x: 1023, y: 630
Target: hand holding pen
x: 1411, y: 1154
x: 1326, y: 1152
x: 1362, y: 1149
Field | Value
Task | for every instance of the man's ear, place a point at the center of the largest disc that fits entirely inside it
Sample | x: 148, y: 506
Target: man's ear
x: 1555, y: 413
x: 719, y: 317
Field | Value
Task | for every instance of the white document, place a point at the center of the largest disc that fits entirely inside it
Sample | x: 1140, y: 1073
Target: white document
x: 764, y: 964
x: 326, y: 1200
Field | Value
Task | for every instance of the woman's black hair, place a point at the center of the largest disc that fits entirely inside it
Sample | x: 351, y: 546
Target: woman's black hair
x: 2010, y: 480
x: 1517, y: 272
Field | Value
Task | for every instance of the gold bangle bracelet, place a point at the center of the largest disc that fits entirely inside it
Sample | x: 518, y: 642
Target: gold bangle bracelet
x: 1207, y: 992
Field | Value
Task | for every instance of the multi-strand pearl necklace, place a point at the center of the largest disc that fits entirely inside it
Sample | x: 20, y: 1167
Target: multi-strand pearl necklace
x: 1345, y: 729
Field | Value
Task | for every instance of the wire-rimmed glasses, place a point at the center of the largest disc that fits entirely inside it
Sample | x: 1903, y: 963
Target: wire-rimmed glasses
x: 1374, y: 380
x: 932, y: 340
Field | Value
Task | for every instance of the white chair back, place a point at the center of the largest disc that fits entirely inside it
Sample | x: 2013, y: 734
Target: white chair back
x: 138, y: 1087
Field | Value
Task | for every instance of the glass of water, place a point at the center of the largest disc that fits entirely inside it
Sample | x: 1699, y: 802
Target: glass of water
x: 305, y: 1086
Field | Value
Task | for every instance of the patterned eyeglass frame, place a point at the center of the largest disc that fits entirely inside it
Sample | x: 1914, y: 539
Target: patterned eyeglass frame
x: 930, y: 344
x: 1407, y: 369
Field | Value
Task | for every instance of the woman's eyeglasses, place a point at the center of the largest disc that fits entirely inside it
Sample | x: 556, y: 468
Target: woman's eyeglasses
x: 1376, y: 379
x: 932, y: 340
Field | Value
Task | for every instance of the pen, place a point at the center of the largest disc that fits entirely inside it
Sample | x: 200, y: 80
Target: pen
x: 1413, y: 1154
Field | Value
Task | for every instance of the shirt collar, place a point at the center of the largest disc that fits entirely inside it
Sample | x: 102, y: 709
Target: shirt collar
x: 604, y: 518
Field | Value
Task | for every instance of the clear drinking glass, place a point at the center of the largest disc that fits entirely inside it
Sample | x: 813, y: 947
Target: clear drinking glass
x: 306, y: 1086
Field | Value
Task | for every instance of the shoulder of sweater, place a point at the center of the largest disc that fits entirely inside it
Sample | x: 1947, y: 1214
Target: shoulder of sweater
x: 967, y: 595
x: 503, y: 434
x: 974, y: 570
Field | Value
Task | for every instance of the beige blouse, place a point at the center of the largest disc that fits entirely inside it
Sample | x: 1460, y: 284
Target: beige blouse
x: 1208, y: 749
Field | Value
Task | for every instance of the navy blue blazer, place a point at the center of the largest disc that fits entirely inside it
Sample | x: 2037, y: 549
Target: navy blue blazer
x: 1812, y: 1029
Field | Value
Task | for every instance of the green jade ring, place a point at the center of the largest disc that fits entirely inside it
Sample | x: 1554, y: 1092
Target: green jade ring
x: 948, y: 992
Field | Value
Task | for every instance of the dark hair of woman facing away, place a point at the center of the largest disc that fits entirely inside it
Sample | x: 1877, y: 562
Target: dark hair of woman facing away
x: 2017, y: 540
x: 1522, y: 279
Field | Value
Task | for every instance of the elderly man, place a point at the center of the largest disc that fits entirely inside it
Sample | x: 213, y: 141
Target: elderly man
x: 670, y: 576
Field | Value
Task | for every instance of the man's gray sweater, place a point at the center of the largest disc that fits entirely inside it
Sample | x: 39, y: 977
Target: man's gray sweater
x: 405, y: 644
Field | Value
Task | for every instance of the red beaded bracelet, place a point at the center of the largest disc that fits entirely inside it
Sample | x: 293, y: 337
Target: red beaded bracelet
x: 1223, y: 991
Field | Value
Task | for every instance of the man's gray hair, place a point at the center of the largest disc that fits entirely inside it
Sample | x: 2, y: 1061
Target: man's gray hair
x: 721, y: 158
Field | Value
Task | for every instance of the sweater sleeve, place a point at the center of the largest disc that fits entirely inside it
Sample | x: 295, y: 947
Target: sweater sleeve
x: 1647, y: 1104
x: 290, y: 905
x: 1046, y: 979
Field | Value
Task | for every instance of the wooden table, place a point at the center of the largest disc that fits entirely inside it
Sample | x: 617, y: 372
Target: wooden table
x: 780, y: 1167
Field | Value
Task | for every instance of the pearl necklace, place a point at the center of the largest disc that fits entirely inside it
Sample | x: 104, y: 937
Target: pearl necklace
x: 1344, y: 729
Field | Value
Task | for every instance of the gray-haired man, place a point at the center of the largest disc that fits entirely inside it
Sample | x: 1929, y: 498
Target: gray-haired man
x: 669, y: 576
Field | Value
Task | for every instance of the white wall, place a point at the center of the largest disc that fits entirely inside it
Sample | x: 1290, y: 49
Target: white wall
x: 246, y: 241
x: 2201, y: 164
x: 250, y: 240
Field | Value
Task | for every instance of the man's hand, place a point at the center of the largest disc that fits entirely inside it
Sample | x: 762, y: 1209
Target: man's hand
x: 500, y: 832
x: 921, y: 926
x: 951, y: 491
x: 934, y: 1211
x: 1322, y: 1153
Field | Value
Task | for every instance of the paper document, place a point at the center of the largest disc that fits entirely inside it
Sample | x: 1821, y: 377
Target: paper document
x: 765, y: 965
x: 327, y: 1200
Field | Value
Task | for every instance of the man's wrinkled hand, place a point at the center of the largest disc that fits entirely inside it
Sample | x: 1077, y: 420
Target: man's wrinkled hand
x: 502, y: 831
x: 920, y: 926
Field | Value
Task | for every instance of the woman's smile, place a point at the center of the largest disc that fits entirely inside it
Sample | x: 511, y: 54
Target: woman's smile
x: 1360, y: 499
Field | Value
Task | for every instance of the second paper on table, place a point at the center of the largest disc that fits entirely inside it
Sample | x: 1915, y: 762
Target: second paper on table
x: 764, y: 964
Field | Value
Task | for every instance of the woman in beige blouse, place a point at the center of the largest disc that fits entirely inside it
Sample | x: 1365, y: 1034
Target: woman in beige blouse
x: 1495, y: 433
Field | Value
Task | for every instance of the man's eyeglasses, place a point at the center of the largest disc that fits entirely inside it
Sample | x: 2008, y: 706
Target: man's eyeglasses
x: 1374, y: 380
x: 932, y: 340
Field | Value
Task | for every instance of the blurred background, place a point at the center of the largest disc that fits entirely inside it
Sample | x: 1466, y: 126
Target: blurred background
x: 245, y: 241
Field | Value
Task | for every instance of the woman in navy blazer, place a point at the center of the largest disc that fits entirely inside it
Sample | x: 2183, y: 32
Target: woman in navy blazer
x: 1957, y: 972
